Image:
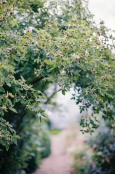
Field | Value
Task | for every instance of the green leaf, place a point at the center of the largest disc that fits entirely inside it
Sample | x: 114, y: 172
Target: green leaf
x: 13, y: 109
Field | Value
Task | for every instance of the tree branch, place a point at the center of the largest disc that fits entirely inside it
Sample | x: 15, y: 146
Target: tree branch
x: 49, y: 98
x: 34, y: 81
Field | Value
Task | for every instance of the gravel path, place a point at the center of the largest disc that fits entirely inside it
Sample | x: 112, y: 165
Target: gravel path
x: 59, y: 161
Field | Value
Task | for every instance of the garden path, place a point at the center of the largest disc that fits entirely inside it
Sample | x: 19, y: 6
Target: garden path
x: 59, y: 161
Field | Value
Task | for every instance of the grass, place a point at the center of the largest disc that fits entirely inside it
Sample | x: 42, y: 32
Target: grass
x: 55, y: 131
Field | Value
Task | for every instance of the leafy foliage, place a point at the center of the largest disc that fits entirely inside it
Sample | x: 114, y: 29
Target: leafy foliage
x: 44, y: 42
x: 100, y: 159
x: 15, y: 68
x: 81, y: 164
x: 20, y: 97
x: 103, y: 152
x: 27, y: 155
x: 65, y: 47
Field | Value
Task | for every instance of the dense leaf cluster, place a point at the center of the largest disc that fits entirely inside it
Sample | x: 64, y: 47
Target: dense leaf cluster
x: 57, y: 42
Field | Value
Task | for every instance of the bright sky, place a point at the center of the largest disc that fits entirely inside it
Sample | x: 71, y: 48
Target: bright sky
x: 103, y: 10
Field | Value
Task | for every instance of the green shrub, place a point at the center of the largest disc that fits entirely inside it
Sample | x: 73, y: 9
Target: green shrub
x: 34, y: 145
x: 39, y: 145
x: 103, y: 154
x: 33, y: 162
x: 81, y: 163
x: 103, y: 151
x: 45, y: 147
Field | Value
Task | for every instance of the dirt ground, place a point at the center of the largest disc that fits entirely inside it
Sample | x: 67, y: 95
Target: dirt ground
x: 63, y: 146
x: 59, y: 161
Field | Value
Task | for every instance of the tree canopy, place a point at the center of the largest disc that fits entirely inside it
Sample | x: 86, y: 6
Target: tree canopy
x: 45, y: 42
